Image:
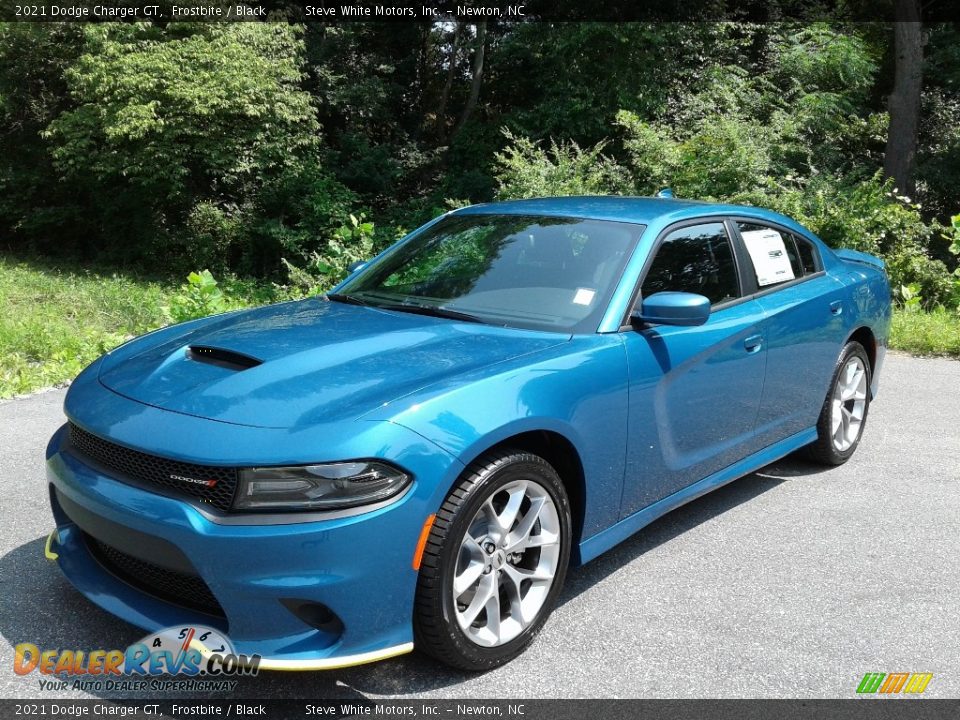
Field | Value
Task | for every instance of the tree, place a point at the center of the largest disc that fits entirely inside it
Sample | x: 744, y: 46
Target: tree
x: 441, y: 114
x: 904, y: 102
x: 476, y: 75
x: 169, y: 123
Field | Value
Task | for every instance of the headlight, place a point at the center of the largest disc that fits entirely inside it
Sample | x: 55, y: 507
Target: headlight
x: 318, y: 487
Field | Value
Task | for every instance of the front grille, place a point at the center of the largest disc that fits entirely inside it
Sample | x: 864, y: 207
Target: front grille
x: 177, y: 587
x: 157, y: 471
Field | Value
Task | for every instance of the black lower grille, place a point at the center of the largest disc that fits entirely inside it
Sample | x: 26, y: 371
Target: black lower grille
x: 177, y: 587
x: 210, y: 484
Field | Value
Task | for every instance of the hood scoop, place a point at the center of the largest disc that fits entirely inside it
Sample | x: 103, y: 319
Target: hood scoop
x: 222, y: 358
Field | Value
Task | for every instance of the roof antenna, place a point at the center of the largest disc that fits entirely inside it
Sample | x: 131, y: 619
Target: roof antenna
x: 664, y: 193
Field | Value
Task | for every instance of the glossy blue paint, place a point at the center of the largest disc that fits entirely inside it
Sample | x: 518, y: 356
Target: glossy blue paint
x: 322, y: 361
x: 616, y: 534
x: 656, y: 415
x: 577, y: 390
x: 673, y: 308
x: 802, y: 334
x: 694, y: 396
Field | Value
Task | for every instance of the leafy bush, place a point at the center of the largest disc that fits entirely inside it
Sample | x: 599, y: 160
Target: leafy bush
x: 212, y: 234
x: 351, y: 242
x: 297, y: 214
x: 787, y: 133
x: 723, y: 157
x: 727, y: 159
x: 524, y: 169
x: 199, y: 297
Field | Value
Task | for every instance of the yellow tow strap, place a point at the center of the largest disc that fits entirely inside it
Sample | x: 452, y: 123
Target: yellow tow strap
x: 47, y: 552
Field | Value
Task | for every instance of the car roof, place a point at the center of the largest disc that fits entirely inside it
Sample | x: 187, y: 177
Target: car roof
x: 641, y: 210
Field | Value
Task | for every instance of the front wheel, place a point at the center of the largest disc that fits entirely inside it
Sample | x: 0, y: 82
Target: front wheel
x: 844, y: 412
x: 494, y: 562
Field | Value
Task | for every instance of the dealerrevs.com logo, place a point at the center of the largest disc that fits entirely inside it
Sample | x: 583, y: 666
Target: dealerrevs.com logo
x: 191, y: 651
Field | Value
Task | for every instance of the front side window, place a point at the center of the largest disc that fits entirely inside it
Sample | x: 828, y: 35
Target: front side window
x: 543, y: 273
x: 696, y: 259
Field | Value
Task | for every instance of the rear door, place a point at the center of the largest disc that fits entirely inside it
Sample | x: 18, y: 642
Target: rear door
x: 694, y: 391
x: 806, y: 324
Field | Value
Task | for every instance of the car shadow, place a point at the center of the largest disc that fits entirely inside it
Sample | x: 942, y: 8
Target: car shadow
x: 40, y: 607
x: 684, y: 518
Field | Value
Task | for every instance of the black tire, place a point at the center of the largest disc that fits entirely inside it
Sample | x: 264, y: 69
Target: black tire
x: 824, y: 450
x: 436, y: 630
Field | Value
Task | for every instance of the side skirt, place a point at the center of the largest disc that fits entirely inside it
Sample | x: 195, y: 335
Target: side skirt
x: 616, y: 534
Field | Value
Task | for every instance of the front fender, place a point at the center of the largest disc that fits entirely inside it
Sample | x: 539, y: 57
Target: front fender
x: 578, y: 390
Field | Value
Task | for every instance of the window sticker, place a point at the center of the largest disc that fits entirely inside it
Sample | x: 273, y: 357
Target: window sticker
x: 584, y: 296
x: 769, y: 255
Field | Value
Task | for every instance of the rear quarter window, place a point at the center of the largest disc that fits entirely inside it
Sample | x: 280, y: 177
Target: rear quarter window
x: 809, y: 257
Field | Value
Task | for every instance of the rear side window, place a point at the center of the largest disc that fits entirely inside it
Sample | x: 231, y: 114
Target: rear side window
x: 696, y: 259
x: 777, y: 256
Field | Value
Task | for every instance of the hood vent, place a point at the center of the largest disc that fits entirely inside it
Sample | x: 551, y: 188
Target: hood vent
x: 222, y: 358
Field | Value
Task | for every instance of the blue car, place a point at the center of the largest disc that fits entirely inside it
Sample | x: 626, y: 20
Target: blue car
x: 416, y: 458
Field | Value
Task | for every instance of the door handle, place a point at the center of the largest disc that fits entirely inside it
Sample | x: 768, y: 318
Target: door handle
x: 836, y: 307
x: 753, y: 343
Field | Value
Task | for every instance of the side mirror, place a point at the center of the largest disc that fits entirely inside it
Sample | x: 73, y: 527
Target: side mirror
x: 673, y: 308
x: 357, y: 265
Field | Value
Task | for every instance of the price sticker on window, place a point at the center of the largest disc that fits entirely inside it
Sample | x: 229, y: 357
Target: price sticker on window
x: 769, y: 255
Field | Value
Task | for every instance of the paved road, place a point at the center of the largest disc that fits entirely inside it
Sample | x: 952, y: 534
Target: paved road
x: 792, y: 582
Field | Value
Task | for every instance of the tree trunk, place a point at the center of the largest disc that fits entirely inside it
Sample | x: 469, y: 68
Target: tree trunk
x: 441, y: 119
x: 904, y: 101
x: 477, y: 76
x: 420, y: 79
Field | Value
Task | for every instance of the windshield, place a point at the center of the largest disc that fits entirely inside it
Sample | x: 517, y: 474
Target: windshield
x: 542, y: 273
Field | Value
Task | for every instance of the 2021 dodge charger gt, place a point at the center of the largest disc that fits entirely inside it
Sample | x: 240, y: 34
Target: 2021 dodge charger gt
x: 417, y: 457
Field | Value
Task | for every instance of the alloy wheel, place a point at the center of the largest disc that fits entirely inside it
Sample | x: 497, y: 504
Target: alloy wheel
x: 508, y: 559
x: 849, y: 404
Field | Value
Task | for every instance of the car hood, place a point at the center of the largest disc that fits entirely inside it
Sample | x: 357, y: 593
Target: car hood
x: 304, y: 363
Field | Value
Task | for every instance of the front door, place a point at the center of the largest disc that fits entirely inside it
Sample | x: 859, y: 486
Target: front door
x: 694, y: 391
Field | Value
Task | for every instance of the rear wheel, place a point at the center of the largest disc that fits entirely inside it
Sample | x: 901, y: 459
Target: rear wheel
x: 494, y: 563
x: 844, y: 412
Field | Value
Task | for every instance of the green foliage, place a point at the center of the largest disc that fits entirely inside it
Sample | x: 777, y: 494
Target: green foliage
x: 349, y: 243
x: 926, y: 333
x: 910, y: 297
x: 822, y: 59
x: 525, y: 169
x: 954, y: 236
x: 199, y: 297
x: 722, y: 158
x: 212, y: 233
x: 868, y: 216
x: 298, y: 213
x: 165, y: 112
x: 199, y: 136
x: 54, y: 323
x: 789, y: 132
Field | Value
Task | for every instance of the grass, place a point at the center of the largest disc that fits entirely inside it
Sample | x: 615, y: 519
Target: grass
x: 53, y: 322
x: 926, y: 333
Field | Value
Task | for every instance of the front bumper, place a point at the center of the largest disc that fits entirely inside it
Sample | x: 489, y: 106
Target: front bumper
x: 360, y: 567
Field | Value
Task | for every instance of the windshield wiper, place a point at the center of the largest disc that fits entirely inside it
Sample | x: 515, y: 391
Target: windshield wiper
x: 433, y: 310
x: 348, y: 299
